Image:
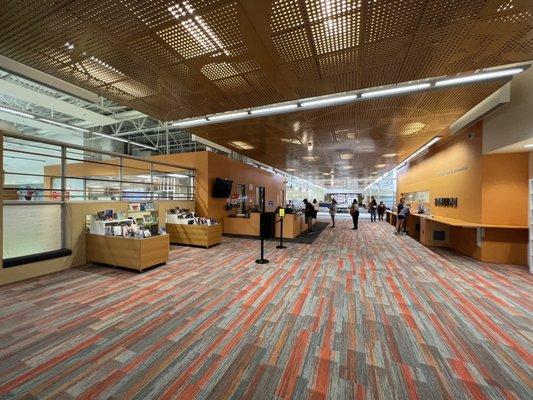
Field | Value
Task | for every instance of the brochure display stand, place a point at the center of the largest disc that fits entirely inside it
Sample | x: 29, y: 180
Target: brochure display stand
x: 122, y: 242
x: 184, y: 229
x: 126, y: 252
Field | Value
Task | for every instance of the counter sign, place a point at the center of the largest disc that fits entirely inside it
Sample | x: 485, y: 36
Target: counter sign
x: 281, y: 212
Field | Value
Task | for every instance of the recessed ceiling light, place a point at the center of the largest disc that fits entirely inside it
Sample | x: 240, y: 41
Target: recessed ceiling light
x: 290, y: 169
x: 389, y: 155
x: 346, y: 156
x: 293, y: 141
x: 347, y: 166
x: 380, y: 165
x: 528, y: 145
x: 309, y: 158
x: 242, y: 145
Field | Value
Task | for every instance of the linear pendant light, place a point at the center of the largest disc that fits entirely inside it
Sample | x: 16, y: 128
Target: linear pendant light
x: 479, y: 77
x: 62, y: 124
x: 348, y: 97
x: 396, y: 90
x: 16, y: 112
x: 222, y: 117
x: 190, y: 122
x: 329, y: 101
x: 275, y: 109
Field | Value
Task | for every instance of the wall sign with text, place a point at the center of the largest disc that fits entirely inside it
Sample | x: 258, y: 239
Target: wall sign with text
x: 446, y: 202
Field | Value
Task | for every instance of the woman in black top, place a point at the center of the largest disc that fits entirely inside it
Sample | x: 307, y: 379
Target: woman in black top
x: 381, y: 210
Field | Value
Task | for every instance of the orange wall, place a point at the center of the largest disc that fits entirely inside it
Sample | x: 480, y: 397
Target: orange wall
x: 210, y: 166
x: 451, y: 169
x: 505, y: 193
x: 240, y: 173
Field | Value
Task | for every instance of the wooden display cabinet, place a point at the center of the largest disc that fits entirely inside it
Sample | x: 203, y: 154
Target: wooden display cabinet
x: 126, y: 252
x: 195, y: 235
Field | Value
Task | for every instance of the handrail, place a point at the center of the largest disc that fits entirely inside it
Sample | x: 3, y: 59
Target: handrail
x: 90, y: 149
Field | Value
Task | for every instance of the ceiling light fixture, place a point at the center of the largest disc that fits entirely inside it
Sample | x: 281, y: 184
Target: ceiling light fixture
x: 190, y: 122
x: 346, y: 156
x: 64, y: 125
x: 16, y: 112
x: 528, y: 145
x: 223, y: 117
x: 178, y: 175
x: 273, y: 110
x: 478, y: 77
x: 396, y: 90
x: 389, y: 155
x: 343, y: 98
x: 242, y: 145
x: 380, y: 165
x: 330, y: 101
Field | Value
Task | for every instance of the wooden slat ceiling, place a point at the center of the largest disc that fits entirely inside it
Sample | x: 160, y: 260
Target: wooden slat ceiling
x: 154, y: 56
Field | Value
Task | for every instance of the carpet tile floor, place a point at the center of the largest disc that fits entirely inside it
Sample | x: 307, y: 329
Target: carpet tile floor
x: 355, y: 315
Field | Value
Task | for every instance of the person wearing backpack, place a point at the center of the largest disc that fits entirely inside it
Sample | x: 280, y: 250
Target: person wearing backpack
x: 354, y: 212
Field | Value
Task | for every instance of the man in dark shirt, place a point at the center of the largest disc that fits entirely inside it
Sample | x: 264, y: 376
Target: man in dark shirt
x: 309, y: 213
x: 400, y: 207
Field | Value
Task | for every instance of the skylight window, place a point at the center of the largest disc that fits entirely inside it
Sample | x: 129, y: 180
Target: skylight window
x: 196, y: 26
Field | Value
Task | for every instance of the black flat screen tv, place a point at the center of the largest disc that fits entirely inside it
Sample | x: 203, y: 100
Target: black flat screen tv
x: 222, y: 188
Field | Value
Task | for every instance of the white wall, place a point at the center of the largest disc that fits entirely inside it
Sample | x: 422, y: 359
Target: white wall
x: 513, y: 122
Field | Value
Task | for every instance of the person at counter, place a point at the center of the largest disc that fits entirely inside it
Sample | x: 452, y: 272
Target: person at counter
x: 333, y: 211
x: 381, y: 210
x: 354, y: 212
x: 399, y: 208
x: 316, y: 207
x: 309, y: 213
x: 400, y: 220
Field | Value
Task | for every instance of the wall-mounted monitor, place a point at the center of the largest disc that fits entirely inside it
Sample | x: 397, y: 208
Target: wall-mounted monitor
x: 222, y: 188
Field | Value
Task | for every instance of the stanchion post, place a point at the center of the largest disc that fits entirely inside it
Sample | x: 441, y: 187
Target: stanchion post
x: 262, y: 260
x: 281, y: 213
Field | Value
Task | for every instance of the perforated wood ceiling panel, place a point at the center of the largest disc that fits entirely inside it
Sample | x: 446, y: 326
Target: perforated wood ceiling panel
x: 174, y: 59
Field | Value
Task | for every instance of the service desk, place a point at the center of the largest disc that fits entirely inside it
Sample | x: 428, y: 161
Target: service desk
x: 246, y: 226
x: 293, y: 225
x: 485, y: 242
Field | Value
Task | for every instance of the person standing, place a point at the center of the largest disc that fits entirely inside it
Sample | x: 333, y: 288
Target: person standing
x: 399, y: 209
x: 372, y: 208
x: 381, y: 210
x: 354, y: 212
x: 333, y: 211
x: 316, y: 207
x: 309, y: 212
x: 402, y: 216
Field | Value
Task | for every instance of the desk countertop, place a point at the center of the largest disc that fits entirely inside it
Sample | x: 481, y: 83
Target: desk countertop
x: 461, y: 223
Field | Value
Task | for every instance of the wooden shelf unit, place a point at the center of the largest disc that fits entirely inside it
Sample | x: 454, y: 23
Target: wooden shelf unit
x: 125, y: 252
x: 195, y: 235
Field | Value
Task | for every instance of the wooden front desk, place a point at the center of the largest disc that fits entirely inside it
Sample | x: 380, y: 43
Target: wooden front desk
x: 484, y: 242
x: 246, y: 226
x: 293, y: 225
